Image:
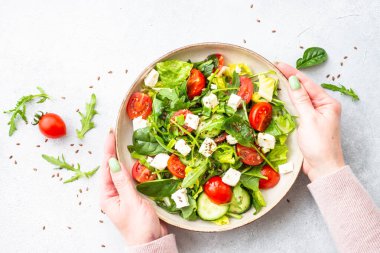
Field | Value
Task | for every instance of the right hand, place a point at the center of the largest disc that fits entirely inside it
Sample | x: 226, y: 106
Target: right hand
x: 319, y: 125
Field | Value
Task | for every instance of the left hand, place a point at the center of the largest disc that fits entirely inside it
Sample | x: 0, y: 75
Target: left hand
x: 133, y: 215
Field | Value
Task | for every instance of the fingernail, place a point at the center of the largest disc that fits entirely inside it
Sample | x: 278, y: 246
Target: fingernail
x: 294, y: 83
x: 114, y: 165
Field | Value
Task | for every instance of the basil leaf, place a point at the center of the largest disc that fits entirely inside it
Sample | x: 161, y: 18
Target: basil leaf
x: 145, y: 143
x: 158, y: 188
x: 240, y: 129
x: 311, y: 57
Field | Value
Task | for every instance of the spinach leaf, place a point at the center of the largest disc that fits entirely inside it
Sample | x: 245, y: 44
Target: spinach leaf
x: 258, y: 201
x: 192, y: 177
x: 250, y: 179
x: 145, y: 143
x: 240, y: 129
x: 173, y: 72
x: 159, y: 188
x: 206, y: 67
x: 311, y: 57
x: 342, y: 89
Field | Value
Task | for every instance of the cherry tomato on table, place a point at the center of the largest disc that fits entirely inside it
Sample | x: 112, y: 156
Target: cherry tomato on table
x: 183, y: 112
x: 246, y: 89
x: 195, y: 84
x: 141, y: 173
x: 51, y: 125
x: 272, y: 175
x: 217, y: 191
x: 139, y: 104
x: 176, y: 167
x: 248, y: 155
x: 260, y: 116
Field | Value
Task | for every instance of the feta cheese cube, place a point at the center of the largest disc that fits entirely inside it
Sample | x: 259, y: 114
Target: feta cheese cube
x: 152, y: 78
x: 266, y: 140
x: 182, y: 147
x: 222, y: 70
x: 231, y: 140
x: 285, y: 168
x: 210, y: 101
x: 180, y: 198
x: 231, y: 177
x: 138, y: 123
x: 208, y: 147
x: 192, y: 121
x: 160, y: 161
x: 234, y: 101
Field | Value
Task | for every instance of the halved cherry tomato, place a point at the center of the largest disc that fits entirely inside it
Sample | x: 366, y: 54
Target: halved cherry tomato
x: 176, y: 167
x: 139, y: 104
x: 141, y: 173
x: 195, y: 84
x: 52, y: 126
x: 183, y: 112
x: 248, y: 155
x: 217, y: 191
x: 246, y: 89
x: 220, y: 59
x: 272, y: 175
x: 220, y: 138
x: 260, y: 116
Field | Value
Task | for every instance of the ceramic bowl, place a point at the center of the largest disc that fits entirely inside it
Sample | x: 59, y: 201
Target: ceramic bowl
x: 232, y: 54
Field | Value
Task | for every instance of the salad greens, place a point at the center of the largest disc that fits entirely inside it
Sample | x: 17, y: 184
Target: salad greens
x: 343, y: 90
x: 86, y: 119
x: 20, y: 108
x: 311, y: 57
x: 183, y: 144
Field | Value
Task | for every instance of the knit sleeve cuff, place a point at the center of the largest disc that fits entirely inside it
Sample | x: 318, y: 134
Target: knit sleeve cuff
x: 164, y: 244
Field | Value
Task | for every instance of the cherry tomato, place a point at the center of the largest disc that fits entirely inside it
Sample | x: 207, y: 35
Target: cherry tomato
x: 220, y: 59
x: 248, y: 155
x: 272, y: 175
x: 183, y: 112
x: 220, y: 138
x: 246, y: 89
x: 176, y: 167
x: 217, y: 191
x: 139, y: 104
x: 260, y: 116
x: 141, y: 173
x: 52, y: 126
x: 195, y: 84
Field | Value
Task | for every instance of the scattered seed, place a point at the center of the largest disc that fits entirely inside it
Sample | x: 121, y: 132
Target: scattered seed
x: 345, y: 57
x: 11, y: 157
x: 18, y: 144
x: 103, y: 246
x: 273, y: 31
x: 68, y: 227
x: 110, y: 72
x: 328, y: 76
x: 287, y: 200
x: 98, y: 78
x: 72, y: 144
x: 101, y: 221
x: 90, y: 152
x: 333, y: 78
x: 77, y: 110
x: 251, y: 6
x: 57, y: 174
x: 341, y: 64
x: 52, y: 175
x: 258, y: 20
x: 355, y: 48
x: 61, y: 179
x: 38, y: 146
x: 301, y: 47
x: 126, y: 71
x: 86, y: 189
x: 35, y: 169
x: 244, y: 41
x: 81, y: 144
x: 43, y: 228
x: 76, y: 151
x: 80, y: 203
x: 15, y: 162
x: 46, y: 140
x: 80, y: 190
x: 102, y: 211
x: 91, y: 86
x: 338, y: 76
x: 63, y: 98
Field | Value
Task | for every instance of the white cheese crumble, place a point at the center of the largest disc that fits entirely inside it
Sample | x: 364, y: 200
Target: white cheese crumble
x: 231, y: 140
x: 152, y: 78
x: 182, y: 147
x: 208, y: 147
x: 210, y: 101
x: 234, y: 101
x: 266, y: 141
x: 285, y: 168
x: 231, y: 177
x: 160, y: 161
x: 192, y: 121
x: 180, y: 198
x: 138, y: 123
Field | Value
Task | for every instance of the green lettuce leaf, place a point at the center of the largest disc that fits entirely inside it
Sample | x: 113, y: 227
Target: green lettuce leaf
x: 173, y: 72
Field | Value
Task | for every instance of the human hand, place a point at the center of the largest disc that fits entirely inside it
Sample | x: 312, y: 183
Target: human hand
x: 319, y: 124
x: 133, y: 215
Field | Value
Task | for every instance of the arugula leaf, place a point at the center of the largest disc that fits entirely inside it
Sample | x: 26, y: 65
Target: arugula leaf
x: 240, y: 129
x: 20, y: 108
x: 192, y: 177
x: 159, y: 188
x: 86, y: 120
x: 343, y: 90
x: 311, y: 57
x: 173, y: 72
x: 62, y: 164
x: 145, y: 143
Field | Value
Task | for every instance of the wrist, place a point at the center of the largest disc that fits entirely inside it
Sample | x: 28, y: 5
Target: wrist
x: 314, y: 174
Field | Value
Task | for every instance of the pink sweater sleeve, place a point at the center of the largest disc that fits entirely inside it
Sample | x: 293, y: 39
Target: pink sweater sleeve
x: 164, y: 244
x: 351, y: 216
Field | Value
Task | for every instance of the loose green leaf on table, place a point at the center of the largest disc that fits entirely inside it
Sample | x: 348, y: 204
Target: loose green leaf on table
x: 159, y: 188
x: 343, y: 90
x: 311, y: 57
x: 20, y: 108
x: 62, y: 164
x: 86, y: 119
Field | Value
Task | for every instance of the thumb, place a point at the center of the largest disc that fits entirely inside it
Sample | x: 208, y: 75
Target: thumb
x: 121, y: 179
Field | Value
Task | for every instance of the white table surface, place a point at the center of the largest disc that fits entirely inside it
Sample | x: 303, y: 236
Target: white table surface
x: 64, y: 46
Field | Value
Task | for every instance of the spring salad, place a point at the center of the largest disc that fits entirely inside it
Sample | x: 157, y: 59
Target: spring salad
x: 208, y: 138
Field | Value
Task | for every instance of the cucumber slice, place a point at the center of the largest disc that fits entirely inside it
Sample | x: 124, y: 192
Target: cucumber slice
x: 208, y: 210
x: 240, y: 202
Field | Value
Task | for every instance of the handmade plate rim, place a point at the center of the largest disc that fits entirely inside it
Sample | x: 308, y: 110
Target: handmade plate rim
x: 137, y: 82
